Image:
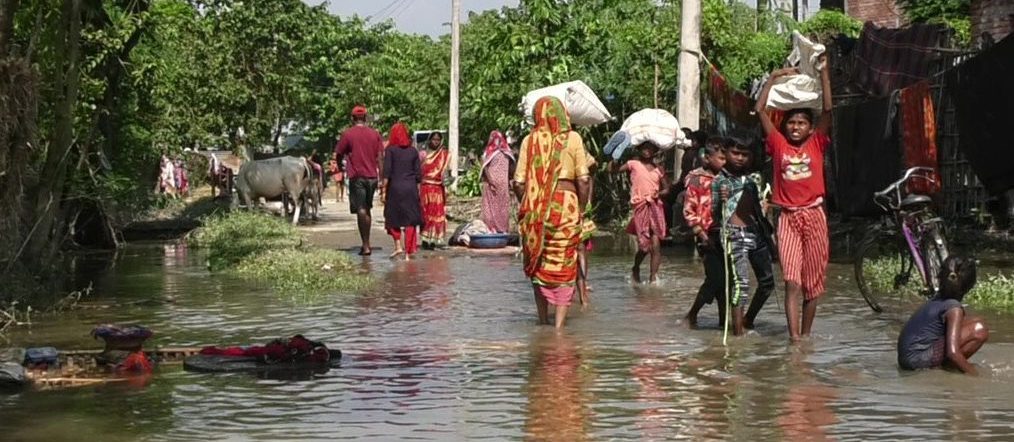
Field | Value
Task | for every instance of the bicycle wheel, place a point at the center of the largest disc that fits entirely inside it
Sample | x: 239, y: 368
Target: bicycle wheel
x: 934, y: 252
x: 882, y: 268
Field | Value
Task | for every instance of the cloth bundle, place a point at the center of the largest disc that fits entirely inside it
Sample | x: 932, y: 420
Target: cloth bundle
x: 655, y: 125
x: 802, y: 90
x: 583, y: 106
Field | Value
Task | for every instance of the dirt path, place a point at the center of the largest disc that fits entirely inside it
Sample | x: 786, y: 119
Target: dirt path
x: 337, y: 228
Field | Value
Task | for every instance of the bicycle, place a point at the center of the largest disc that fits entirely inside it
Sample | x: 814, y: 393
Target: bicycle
x: 909, y: 236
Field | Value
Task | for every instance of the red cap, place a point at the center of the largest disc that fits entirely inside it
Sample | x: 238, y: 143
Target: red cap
x: 359, y: 111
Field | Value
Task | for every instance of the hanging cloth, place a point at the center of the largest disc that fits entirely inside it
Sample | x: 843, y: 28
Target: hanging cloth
x: 919, y: 135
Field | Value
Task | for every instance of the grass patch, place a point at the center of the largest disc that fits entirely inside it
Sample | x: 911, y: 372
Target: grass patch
x: 268, y: 250
x: 303, y: 272
x: 993, y: 291
x: 234, y: 236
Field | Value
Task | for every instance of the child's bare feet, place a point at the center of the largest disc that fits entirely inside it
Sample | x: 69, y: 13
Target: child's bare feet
x: 635, y: 274
x: 397, y: 252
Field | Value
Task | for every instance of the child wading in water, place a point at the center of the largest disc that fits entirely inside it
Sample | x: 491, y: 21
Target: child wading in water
x: 939, y: 334
x: 697, y: 213
x: 744, y: 231
x: 797, y: 154
x: 648, y: 184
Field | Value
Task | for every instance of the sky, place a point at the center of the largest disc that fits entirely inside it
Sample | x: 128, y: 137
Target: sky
x: 411, y: 16
x: 428, y: 16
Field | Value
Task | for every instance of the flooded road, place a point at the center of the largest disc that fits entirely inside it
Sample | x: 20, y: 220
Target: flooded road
x: 446, y: 348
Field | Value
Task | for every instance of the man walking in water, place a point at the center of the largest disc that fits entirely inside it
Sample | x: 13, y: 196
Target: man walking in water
x: 364, y: 150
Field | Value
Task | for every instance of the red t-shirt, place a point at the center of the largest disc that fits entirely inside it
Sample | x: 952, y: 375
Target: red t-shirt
x: 363, y: 146
x: 799, y: 171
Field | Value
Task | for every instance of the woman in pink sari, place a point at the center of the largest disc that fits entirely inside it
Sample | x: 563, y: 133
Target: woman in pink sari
x: 495, y: 173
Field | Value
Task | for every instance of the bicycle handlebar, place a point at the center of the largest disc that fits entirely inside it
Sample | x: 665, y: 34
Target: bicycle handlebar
x: 895, y: 187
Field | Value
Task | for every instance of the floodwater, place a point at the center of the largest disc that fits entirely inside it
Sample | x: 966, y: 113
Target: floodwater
x: 446, y: 348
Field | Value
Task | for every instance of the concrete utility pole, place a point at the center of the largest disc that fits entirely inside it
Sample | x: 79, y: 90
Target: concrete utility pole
x: 452, y: 130
x: 689, y: 113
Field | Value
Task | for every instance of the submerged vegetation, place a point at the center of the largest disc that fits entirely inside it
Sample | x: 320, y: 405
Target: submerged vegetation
x: 993, y: 291
x: 304, y: 271
x: 268, y: 250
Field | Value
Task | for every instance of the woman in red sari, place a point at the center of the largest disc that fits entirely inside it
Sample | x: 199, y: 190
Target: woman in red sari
x: 432, y: 193
x: 552, y: 184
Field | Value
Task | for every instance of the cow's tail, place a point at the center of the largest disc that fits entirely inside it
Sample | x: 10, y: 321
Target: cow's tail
x: 310, y: 188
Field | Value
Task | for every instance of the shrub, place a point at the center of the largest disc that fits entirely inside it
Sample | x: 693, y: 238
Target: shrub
x: 304, y: 272
x: 231, y: 237
x: 993, y: 291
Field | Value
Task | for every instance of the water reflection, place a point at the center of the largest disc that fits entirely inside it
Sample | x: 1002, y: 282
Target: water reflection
x: 557, y: 408
x: 805, y: 411
x: 444, y: 348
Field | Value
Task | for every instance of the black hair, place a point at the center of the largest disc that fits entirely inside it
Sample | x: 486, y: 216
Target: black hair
x: 742, y: 140
x: 712, y: 145
x: 957, y: 277
x: 434, y: 134
x: 805, y: 112
x: 648, y: 144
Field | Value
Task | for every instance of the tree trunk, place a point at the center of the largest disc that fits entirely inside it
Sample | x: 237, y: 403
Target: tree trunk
x: 7, y: 10
x: 49, y: 231
x: 108, y: 117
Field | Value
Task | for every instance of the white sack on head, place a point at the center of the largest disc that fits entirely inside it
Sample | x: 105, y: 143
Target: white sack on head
x: 803, y: 89
x: 582, y: 104
x: 655, y: 125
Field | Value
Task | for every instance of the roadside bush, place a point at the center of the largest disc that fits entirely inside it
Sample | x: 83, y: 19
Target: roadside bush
x: 993, y: 291
x: 231, y: 237
x: 269, y: 250
x: 304, y: 272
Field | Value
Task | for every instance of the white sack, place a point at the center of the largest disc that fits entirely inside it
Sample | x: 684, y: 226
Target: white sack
x: 655, y: 125
x: 582, y: 104
x: 803, y: 89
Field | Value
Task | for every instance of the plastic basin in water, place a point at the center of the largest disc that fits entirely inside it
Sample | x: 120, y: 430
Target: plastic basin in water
x: 489, y: 241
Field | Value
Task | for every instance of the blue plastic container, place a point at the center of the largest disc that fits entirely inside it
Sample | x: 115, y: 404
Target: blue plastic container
x: 489, y: 241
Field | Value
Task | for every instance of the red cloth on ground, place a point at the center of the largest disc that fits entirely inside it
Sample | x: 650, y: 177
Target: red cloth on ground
x: 919, y: 135
x: 136, y: 362
x: 296, y: 348
x: 363, y: 146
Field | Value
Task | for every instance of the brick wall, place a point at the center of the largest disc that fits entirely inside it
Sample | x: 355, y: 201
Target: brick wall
x: 884, y: 13
x: 993, y: 16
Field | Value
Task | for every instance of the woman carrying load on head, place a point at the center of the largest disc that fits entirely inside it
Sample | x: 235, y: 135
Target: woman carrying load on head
x: 495, y: 175
x: 552, y: 184
x: 432, y: 193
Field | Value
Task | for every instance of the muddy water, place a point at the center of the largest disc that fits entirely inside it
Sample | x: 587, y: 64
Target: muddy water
x: 446, y: 349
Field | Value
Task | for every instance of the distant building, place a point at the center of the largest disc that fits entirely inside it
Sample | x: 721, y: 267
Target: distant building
x: 883, y: 13
x: 993, y: 17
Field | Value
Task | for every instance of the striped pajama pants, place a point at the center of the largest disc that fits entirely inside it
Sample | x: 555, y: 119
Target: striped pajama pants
x: 803, y: 249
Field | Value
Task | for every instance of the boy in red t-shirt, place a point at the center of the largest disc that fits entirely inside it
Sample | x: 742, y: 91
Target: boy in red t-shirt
x: 797, y: 154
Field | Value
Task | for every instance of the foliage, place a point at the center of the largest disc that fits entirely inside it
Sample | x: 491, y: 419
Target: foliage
x: 741, y: 52
x: 955, y: 14
x: 828, y: 23
x: 230, y: 238
x: 304, y: 272
x: 269, y: 250
x: 470, y: 184
x: 992, y: 291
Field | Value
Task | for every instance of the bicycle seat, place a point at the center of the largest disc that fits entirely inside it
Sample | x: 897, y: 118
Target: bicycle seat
x: 915, y: 200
